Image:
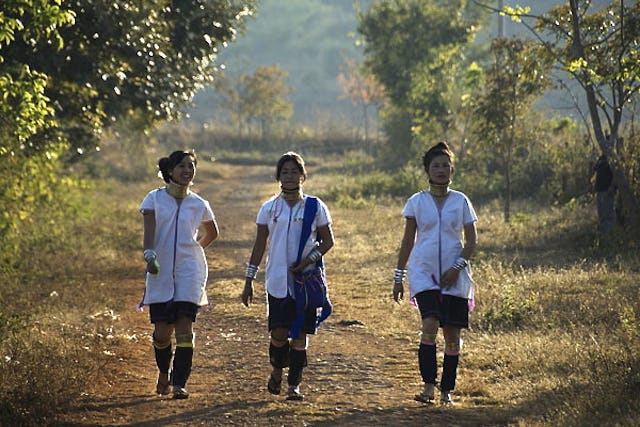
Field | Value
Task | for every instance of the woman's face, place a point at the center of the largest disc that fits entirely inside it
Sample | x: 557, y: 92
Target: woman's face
x: 290, y: 176
x: 184, y: 172
x: 440, y: 170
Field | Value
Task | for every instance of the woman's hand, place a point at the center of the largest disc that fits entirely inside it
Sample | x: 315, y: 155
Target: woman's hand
x: 299, y: 268
x: 247, y: 293
x: 449, y: 278
x: 153, y: 267
x: 398, y: 292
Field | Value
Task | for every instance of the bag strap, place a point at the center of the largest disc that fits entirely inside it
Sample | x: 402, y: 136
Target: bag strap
x: 310, y: 209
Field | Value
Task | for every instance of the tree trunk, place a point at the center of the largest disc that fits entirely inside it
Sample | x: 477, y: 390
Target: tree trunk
x: 630, y: 204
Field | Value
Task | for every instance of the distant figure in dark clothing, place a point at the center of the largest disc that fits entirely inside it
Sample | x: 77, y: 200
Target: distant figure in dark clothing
x: 605, y: 194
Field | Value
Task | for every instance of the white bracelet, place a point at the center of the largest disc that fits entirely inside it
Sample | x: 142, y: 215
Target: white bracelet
x: 399, y: 275
x: 314, y: 255
x: 459, y: 263
x: 252, y: 271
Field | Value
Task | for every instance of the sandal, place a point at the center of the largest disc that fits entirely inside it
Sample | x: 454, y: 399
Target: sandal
x: 180, y: 393
x: 274, y: 386
x: 427, y: 395
x: 294, y: 393
x: 163, y: 387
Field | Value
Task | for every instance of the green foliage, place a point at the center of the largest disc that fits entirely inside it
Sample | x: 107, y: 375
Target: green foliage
x: 25, y: 107
x: 511, y: 311
x: 598, y: 47
x: 415, y: 49
x: 41, y: 187
x: 396, y: 124
x: 350, y: 192
x: 421, y: 30
x: 119, y: 57
x: 42, y: 371
x: 516, y: 79
x: 31, y: 20
x: 262, y: 97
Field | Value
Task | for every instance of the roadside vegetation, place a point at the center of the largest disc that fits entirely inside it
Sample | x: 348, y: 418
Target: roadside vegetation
x: 83, y: 120
x: 556, y: 310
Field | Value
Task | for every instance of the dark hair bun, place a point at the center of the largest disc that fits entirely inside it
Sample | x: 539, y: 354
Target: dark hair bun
x: 440, y: 149
x: 166, y: 164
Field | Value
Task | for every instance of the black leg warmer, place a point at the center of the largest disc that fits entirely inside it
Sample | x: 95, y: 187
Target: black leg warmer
x: 279, y: 356
x: 297, y: 361
x: 163, y: 358
x: 449, y: 372
x: 182, y: 362
x: 428, y: 363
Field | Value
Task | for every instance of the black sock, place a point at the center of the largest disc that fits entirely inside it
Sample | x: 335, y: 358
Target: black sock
x: 163, y: 358
x: 279, y: 356
x: 449, y: 372
x: 297, y: 361
x: 427, y: 363
x: 182, y: 362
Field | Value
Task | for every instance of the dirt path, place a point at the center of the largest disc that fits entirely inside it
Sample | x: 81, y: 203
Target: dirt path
x: 354, y: 377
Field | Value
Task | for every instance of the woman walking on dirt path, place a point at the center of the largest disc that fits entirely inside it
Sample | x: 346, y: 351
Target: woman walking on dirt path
x: 178, y: 225
x: 439, y: 238
x: 279, y: 222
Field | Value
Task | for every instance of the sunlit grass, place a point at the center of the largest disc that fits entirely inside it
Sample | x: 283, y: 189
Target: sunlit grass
x: 554, y: 336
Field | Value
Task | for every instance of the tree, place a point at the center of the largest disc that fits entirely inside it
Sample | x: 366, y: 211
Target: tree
x: 127, y: 56
x: 411, y: 47
x: 267, y: 97
x: 261, y: 97
x: 516, y: 79
x: 232, y: 95
x: 71, y: 69
x: 25, y: 113
x: 598, y: 48
x: 362, y: 89
x: 25, y: 109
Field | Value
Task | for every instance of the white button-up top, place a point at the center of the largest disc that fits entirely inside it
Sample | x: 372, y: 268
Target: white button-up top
x: 438, y: 241
x: 183, y: 265
x: 285, y: 226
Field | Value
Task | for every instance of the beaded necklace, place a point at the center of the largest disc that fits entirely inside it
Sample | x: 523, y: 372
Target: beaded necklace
x: 278, y: 204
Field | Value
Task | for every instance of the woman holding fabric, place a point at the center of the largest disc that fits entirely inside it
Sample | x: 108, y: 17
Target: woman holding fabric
x: 439, y: 238
x: 280, y: 225
x: 178, y: 226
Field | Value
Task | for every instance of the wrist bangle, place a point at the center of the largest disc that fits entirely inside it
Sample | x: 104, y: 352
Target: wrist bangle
x: 252, y: 271
x: 459, y: 263
x: 314, y: 255
x: 399, y: 275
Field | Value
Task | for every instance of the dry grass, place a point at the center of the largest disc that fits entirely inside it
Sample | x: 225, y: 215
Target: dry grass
x: 554, y: 339
x: 554, y: 336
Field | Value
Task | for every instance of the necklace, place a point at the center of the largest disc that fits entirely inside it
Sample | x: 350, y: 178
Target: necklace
x: 439, y: 190
x: 176, y: 190
x: 291, y: 195
x: 278, y: 204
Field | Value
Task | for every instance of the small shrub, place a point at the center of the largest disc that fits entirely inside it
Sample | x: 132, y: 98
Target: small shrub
x: 511, y: 311
x: 41, y: 375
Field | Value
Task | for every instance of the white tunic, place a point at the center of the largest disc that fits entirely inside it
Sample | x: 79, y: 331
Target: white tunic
x: 438, y: 241
x: 285, y: 226
x: 183, y: 265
